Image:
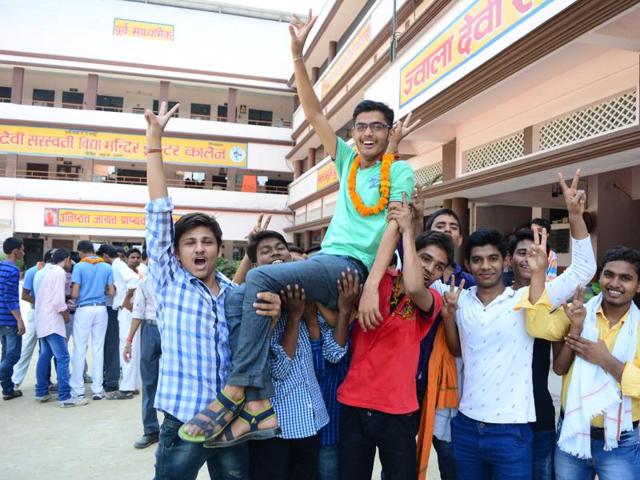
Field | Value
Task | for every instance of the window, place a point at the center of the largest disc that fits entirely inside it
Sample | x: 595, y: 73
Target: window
x: 260, y: 117
x: 108, y: 103
x: 222, y: 113
x: 156, y: 106
x: 43, y: 98
x: 194, y: 179
x: 200, y: 111
x: 37, y: 170
x: 5, y: 94
x: 72, y: 100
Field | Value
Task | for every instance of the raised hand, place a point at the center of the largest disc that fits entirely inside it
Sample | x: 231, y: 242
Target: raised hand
x: 299, y: 31
x: 259, y: 226
x: 157, y: 123
x: 401, y: 214
x: 268, y: 305
x: 294, y: 301
x: 575, y: 310
x: 417, y: 200
x: 450, y: 300
x: 537, y: 257
x: 574, y: 199
x: 349, y: 290
x: 401, y: 129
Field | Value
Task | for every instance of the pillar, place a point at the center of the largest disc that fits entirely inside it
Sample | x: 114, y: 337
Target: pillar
x: 333, y: 50
x: 87, y: 170
x: 449, y: 151
x: 17, y: 85
x: 163, y: 95
x: 91, y: 96
x: 232, y: 103
x: 306, y: 239
x: 315, y: 74
x: 12, y: 166
x: 227, y: 249
x: 297, y: 168
x: 311, y: 157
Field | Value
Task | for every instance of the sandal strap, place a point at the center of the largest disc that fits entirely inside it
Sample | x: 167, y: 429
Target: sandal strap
x: 204, y: 425
x: 254, y: 420
x: 229, y: 404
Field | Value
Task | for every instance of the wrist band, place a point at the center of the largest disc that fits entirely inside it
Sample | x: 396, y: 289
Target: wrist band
x: 297, y: 59
x: 147, y: 151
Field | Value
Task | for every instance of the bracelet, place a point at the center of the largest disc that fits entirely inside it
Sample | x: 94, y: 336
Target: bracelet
x: 147, y: 151
x: 297, y: 59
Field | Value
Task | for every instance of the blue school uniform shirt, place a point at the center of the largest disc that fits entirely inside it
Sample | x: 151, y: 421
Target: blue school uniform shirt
x: 93, y: 280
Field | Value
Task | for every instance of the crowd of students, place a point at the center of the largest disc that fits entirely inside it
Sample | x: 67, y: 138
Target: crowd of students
x: 303, y: 368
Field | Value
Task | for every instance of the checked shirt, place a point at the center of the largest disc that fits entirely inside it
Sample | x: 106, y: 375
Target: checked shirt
x: 192, y: 323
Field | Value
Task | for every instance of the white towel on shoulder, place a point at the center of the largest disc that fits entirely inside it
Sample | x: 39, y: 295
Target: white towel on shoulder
x: 592, y: 391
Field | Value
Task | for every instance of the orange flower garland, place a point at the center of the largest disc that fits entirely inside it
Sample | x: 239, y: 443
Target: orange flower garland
x: 385, y: 186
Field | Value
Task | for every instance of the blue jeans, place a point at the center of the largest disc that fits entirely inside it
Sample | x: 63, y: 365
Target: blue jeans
x: 180, y: 460
x: 149, y: 366
x: 11, y: 348
x: 446, y: 464
x: 622, y: 463
x: 317, y: 276
x: 55, y: 346
x: 328, y: 463
x: 544, y: 446
x: 111, y: 352
x: 485, y: 450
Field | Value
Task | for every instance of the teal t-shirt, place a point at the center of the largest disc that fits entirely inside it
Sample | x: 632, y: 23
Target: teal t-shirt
x: 349, y: 233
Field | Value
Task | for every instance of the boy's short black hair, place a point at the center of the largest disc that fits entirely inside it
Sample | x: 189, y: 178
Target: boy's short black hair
x: 624, y: 254
x: 193, y: 220
x: 295, y: 249
x: 542, y: 222
x: 252, y: 248
x: 371, y: 106
x: 438, y: 239
x: 108, y: 250
x: 428, y: 225
x: 133, y: 250
x: 48, y: 255
x: 85, y: 246
x: 59, y: 255
x: 10, y: 244
x: 75, y: 257
x: 120, y: 250
x: 482, y: 237
x: 519, y: 236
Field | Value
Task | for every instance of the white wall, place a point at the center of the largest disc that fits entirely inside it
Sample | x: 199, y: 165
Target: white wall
x: 203, y: 40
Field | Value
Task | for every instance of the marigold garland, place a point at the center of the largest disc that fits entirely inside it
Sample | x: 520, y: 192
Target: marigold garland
x: 385, y: 187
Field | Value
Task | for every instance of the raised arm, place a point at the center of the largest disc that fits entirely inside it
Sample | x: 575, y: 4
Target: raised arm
x: 299, y: 31
x: 245, y: 264
x: 156, y: 181
x: 448, y: 312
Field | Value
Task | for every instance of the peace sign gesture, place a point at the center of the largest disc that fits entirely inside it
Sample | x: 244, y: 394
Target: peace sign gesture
x: 299, y: 31
x: 450, y: 304
x: 537, y: 253
x: 156, y: 123
x: 401, y: 129
x: 259, y: 227
x: 575, y: 199
x: 575, y: 310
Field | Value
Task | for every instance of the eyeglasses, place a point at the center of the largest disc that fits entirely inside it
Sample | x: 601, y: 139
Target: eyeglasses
x: 375, y: 127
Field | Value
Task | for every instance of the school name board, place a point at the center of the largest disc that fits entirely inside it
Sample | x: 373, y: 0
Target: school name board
x: 58, y: 142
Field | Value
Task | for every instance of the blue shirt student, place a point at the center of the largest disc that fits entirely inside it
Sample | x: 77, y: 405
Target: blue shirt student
x: 93, y: 279
x: 9, y: 299
x: 29, y: 275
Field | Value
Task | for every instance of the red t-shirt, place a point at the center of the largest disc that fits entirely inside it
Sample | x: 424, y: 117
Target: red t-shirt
x: 384, y: 361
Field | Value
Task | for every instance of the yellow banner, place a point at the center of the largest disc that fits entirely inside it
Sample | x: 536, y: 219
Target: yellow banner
x: 137, y: 29
x: 327, y: 175
x: 68, y: 217
x: 57, y: 142
x: 346, y: 58
x: 475, y: 29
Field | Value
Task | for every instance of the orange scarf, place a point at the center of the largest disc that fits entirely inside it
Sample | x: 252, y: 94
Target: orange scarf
x: 92, y: 260
x: 442, y: 392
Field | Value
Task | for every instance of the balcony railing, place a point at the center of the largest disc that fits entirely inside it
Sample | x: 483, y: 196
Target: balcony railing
x: 5, y: 99
x: 195, y: 116
x: 73, y: 106
x: 42, y: 103
x: 131, y: 180
x: 109, y: 109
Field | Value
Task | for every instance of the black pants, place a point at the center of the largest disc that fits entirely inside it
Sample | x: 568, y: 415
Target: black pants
x: 361, y: 431
x: 281, y: 459
x: 111, y: 352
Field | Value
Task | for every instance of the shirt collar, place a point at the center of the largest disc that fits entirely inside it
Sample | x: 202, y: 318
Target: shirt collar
x: 223, y: 282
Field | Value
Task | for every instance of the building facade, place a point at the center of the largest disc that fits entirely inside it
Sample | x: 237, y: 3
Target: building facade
x: 507, y: 93
x: 75, y: 78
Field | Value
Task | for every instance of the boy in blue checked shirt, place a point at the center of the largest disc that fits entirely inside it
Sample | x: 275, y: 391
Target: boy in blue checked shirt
x: 190, y: 296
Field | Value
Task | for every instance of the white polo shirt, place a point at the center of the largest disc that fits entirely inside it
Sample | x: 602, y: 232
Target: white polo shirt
x: 497, y: 351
